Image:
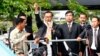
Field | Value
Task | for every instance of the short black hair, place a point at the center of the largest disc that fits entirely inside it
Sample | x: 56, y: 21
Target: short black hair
x: 69, y: 11
x: 83, y: 14
x: 18, y: 20
x: 48, y: 12
x: 21, y: 14
x: 96, y: 18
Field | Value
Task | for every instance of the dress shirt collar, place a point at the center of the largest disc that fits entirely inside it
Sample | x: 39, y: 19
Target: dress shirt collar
x: 71, y: 23
x: 95, y: 28
x: 18, y: 31
x: 50, y: 24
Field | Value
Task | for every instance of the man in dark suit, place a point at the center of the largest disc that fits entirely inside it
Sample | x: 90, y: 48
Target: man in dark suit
x: 84, y: 25
x: 47, y: 28
x: 92, y: 36
x: 83, y: 21
x: 69, y: 30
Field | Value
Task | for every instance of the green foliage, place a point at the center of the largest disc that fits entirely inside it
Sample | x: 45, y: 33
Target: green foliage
x: 75, y: 6
x: 94, y: 12
x: 5, y: 25
x: 10, y: 8
x: 34, y: 27
x: 59, y: 5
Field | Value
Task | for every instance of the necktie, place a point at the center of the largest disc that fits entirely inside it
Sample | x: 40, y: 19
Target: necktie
x: 95, y: 34
x: 48, y: 32
x: 94, y: 41
x: 69, y: 26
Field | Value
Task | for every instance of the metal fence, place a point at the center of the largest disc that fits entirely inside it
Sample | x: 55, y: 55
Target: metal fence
x: 63, y: 40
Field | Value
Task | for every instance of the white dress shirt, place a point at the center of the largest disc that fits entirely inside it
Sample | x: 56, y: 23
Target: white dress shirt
x: 94, y: 38
x: 49, y: 29
x: 70, y: 25
x: 49, y: 48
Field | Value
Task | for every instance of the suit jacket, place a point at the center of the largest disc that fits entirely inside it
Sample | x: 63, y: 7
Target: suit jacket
x: 73, y: 34
x: 29, y: 21
x: 86, y: 26
x: 42, y: 31
x: 89, y: 34
x: 28, y: 29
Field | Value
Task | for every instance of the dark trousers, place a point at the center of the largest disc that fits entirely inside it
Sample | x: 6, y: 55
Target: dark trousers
x: 92, y: 52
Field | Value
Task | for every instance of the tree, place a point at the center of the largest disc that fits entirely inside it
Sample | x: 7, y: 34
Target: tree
x: 75, y: 6
x: 10, y: 8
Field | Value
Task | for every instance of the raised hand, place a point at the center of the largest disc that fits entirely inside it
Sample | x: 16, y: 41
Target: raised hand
x: 36, y: 7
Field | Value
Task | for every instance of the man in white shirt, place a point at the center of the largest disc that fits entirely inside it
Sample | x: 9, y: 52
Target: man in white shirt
x: 93, y: 36
x: 18, y: 35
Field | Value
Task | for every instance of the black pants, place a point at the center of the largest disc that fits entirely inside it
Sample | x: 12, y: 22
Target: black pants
x: 92, y: 52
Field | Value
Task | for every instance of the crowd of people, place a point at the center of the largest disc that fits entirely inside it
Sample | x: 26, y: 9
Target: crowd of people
x: 48, y: 30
